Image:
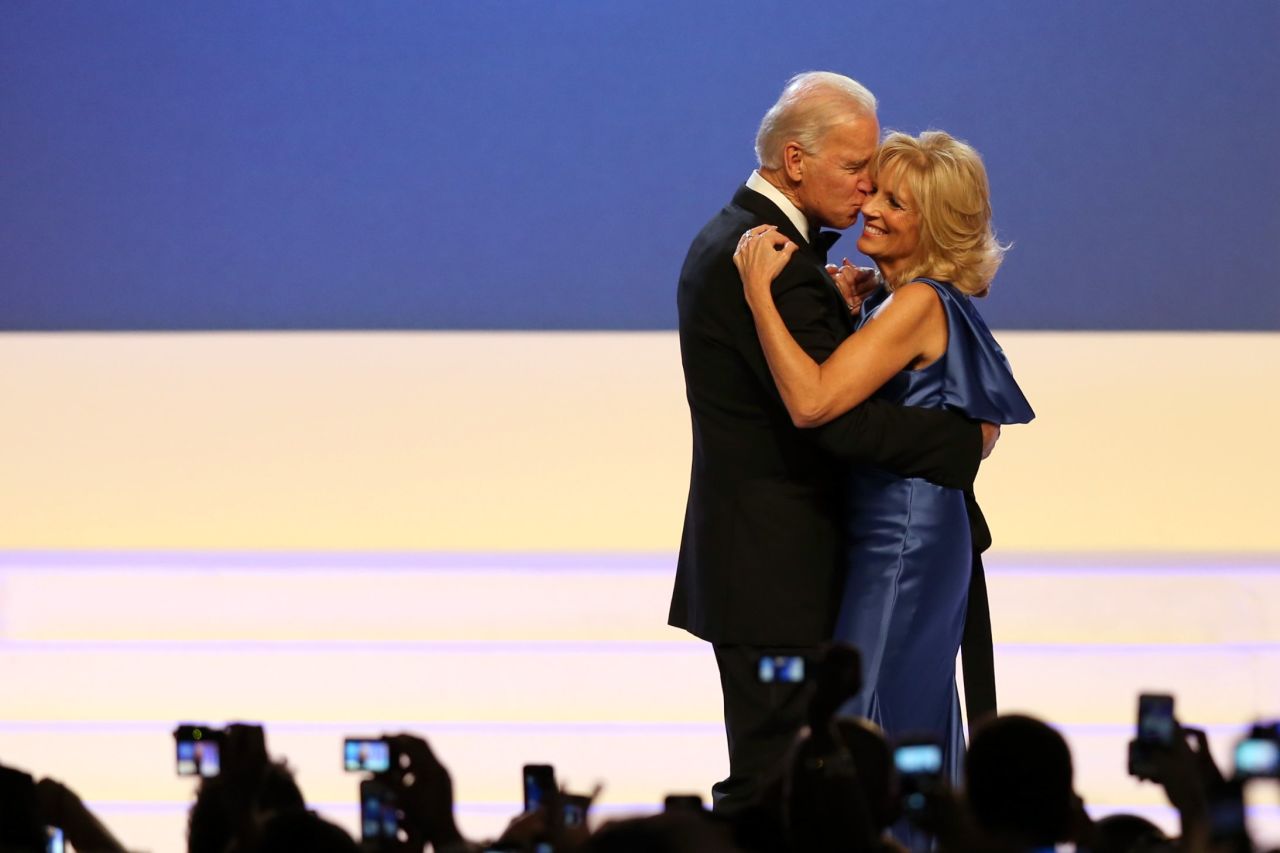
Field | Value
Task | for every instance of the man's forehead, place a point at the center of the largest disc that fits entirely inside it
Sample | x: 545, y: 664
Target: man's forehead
x: 858, y: 135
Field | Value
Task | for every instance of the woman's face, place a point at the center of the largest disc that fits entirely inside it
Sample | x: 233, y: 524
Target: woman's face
x: 890, y: 223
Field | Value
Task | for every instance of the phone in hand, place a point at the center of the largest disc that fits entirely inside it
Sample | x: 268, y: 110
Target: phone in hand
x: 198, y: 750
x: 1156, y: 725
x: 1157, y: 729
x: 539, y: 785
x: 919, y: 766
x: 366, y: 755
x: 379, y: 815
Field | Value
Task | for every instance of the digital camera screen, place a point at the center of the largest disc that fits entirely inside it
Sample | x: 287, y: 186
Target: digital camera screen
x: 1258, y: 758
x: 199, y: 758
x: 918, y: 758
x: 782, y: 668
x: 373, y: 756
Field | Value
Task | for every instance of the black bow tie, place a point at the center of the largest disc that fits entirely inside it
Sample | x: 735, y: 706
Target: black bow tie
x: 822, y: 242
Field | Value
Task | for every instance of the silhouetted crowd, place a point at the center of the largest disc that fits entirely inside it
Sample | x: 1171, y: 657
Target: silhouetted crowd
x: 843, y: 787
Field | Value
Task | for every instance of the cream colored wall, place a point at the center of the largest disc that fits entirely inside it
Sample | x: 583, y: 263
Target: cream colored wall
x: 572, y: 442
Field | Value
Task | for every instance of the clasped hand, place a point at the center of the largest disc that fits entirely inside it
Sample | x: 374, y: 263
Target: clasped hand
x: 761, y: 255
x: 764, y: 251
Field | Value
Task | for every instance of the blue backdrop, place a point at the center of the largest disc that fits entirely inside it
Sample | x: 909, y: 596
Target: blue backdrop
x: 516, y: 164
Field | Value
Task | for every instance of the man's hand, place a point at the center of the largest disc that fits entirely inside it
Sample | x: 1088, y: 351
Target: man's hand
x: 1178, y: 770
x: 854, y: 282
x: 425, y: 790
x: 990, y: 435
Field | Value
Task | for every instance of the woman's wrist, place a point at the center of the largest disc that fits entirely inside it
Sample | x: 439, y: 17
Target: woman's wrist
x: 758, y: 289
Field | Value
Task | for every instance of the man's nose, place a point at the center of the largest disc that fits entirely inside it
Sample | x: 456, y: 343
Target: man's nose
x: 864, y: 183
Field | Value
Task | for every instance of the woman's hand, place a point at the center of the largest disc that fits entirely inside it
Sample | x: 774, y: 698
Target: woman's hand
x: 854, y: 282
x: 762, y: 254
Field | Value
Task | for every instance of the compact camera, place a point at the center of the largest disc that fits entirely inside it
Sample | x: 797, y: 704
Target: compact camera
x: 782, y: 669
x: 198, y: 750
x: 366, y: 755
x: 1258, y: 754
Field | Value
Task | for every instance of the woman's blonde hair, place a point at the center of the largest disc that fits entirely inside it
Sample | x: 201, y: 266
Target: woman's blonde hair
x: 948, y: 185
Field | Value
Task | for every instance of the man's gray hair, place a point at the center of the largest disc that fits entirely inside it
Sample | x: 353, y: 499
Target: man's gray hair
x: 811, y: 104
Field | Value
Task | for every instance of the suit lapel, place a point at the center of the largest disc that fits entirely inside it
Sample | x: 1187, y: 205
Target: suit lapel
x: 753, y: 202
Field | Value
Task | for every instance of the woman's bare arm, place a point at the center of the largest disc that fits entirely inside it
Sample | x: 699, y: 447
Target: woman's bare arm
x: 817, y: 393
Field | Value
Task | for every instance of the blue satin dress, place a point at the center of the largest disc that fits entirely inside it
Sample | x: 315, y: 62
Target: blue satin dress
x: 909, y: 547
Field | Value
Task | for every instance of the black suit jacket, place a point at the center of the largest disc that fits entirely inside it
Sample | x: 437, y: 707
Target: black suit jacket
x: 761, y: 552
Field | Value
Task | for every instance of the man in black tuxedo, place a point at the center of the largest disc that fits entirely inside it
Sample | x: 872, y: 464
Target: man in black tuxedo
x: 760, y: 565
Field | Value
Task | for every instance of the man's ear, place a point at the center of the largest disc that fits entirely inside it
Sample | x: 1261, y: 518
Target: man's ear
x: 793, y: 162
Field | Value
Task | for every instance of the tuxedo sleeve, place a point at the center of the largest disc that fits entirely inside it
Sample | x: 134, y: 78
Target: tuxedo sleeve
x: 940, y: 446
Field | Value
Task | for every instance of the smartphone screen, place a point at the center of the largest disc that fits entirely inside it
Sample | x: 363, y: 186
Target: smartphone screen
x: 1155, y: 719
x: 539, y: 785
x: 378, y: 812
x: 786, y: 669
x: 54, y: 842
x: 367, y: 755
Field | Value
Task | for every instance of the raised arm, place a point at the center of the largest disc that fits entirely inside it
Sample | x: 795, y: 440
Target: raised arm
x: 938, y: 445
x: 813, y: 393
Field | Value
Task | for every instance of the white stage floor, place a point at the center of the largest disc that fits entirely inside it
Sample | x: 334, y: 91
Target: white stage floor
x: 563, y: 658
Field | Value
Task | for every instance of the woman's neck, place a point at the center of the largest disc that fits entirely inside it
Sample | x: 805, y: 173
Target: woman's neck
x: 892, y: 272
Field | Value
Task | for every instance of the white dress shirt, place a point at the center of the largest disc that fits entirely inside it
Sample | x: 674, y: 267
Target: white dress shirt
x: 769, y: 191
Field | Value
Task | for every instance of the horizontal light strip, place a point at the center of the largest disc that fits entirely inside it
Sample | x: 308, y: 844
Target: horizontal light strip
x: 677, y: 646
x: 514, y: 808
x: 580, y: 727
x: 412, y: 561
x: 105, y: 807
x: 657, y: 563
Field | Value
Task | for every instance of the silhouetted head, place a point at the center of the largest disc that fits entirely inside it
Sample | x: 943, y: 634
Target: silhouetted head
x: 1019, y: 781
x: 224, y: 811
x: 301, y: 831
x: 824, y: 805
x: 873, y: 761
x: 21, y: 830
x: 1126, y: 833
x: 670, y: 832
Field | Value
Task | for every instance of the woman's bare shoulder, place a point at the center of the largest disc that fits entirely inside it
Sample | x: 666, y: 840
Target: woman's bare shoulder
x: 913, y: 303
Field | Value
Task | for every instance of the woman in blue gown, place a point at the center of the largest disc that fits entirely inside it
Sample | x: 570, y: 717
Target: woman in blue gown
x: 919, y: 342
